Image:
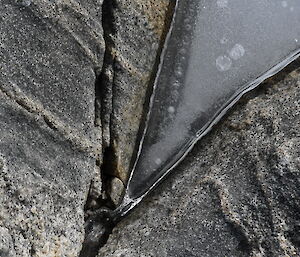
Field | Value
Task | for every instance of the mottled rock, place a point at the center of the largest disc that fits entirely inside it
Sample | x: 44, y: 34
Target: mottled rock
x: 50, y: 53
x: 236, y: 193
x: 116, y: 190
x: 6, y: 243
x: 50, y: 50
x: 134, y: 31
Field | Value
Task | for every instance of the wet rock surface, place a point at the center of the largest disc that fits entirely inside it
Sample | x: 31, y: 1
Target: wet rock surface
x: 236, y: 193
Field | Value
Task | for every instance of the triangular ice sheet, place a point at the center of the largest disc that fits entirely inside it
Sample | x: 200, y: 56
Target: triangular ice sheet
x: 216, y: 51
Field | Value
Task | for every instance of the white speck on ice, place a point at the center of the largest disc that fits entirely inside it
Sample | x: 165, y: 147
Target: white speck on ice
x: 237, y: 52
x: 223, y: 63
x: 171, y: 109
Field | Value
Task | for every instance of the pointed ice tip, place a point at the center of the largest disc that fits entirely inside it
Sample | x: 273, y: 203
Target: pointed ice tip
x: 124, y: 208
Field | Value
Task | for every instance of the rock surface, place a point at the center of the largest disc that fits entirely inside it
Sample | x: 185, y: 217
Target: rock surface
x: 236, y: 193
x: 50, y: 52
x: 134, y: 30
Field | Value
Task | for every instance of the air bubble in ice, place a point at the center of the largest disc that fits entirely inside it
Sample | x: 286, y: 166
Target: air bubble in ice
x: 182, y: 58
x: 237, y: 52
x: 158, y: 161
x: 182, y: 51
x: 178, y: 72
x: 284, y: 4
x: 223, y: 63
x: 224, y: 40
x: 188, y: 27
x: 171, y: 109
x: 222, y: 3
x: 176, y: 84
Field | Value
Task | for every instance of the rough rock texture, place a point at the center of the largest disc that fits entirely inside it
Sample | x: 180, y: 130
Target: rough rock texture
x: 133, y: 30
x: 50, y: 53
x: 237, y: 192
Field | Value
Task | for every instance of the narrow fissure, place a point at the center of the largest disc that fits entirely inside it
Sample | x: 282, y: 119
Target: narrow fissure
x: 98, y: 224
x: 98, y: 208
x: 98, y: 204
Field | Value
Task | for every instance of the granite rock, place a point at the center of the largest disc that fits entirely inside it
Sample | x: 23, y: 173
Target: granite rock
x: 50, y: 55
x: 236, y: 193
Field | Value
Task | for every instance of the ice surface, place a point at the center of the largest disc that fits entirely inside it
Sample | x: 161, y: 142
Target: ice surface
x: 216, y: 51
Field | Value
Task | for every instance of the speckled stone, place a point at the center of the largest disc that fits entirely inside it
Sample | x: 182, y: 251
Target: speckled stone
x: 134, y: 30
x: 236, y: 193
x: 50, y: 52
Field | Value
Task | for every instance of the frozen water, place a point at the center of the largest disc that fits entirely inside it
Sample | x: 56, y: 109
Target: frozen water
x: 178, y: 72
x: 158, y: 161
x: 223, y: 63
x: 237, y: 52
x: 171, y: 109
x: 229, y: 49
x: 222, y: 3
x: 224, y: 40
x: 284, y: 4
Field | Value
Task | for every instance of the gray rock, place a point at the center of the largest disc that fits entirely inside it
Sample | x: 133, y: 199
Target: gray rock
x: 50, y: 54
x: 236, y: 193
x: 50, y: 50
x: 117, y: 189
x: 134, y: 30
x: 6, y: 243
